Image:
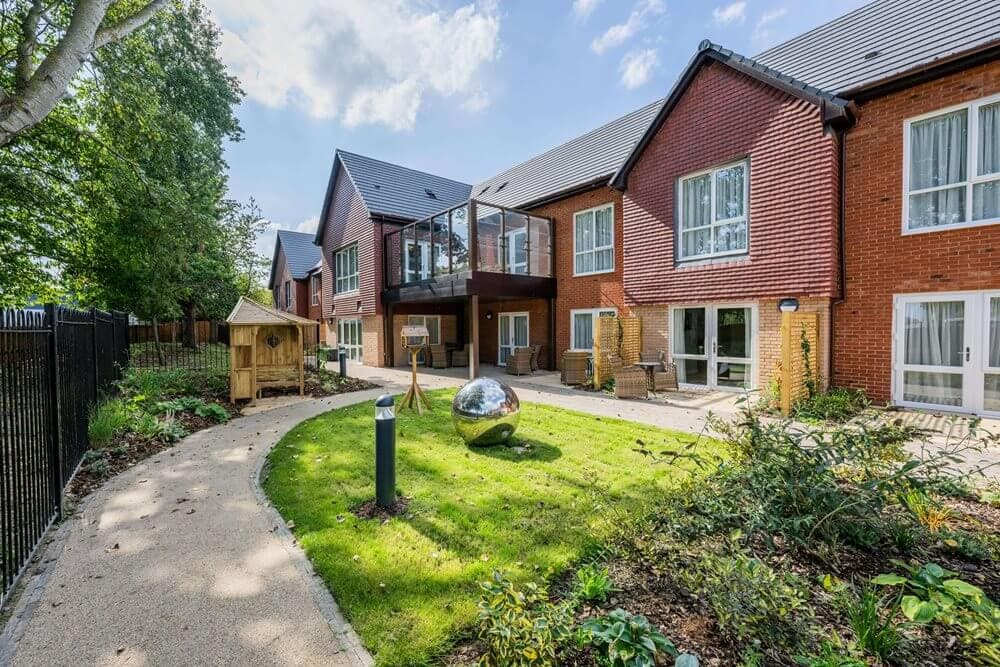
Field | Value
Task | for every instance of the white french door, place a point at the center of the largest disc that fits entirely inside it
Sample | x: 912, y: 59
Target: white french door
x: 946, y: 351
x: 517, y: 251
x: 513, y: 333
x: 349, y: 335
x: 417, y: 260
x: 433, y: 324
x: 714, y: 346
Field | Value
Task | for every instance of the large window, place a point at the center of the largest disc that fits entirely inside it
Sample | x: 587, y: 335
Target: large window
x: 314, y: 285
x: 594, y: 240
x: 713, y: 212
x: 952, y: 167
x: 346, y: 264
x: 349, y: 335
x: 582, y: 325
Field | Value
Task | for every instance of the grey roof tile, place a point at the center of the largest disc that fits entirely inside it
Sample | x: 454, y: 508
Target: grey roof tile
x: 390, y: 189
x: 883, y: 39
x: 300, y: 252
x: 585, y: 159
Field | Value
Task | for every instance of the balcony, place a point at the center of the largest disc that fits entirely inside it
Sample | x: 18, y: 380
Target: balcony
x: 473, y: 248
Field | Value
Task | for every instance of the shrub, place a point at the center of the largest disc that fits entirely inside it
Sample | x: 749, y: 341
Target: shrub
x: 593, y: 583
x: 626, y: 640
x: 874, y: 629
x: 750, y: 599
x: 180, y: 404
x: 930, y: 514
x: 832, y: 654
x: 936, y: 595
x: 213, y: 411
x: 163, y: 384
x: 519, y: 625
x: 107, y: 421
x: 165, y: 429
x: 835, y: 405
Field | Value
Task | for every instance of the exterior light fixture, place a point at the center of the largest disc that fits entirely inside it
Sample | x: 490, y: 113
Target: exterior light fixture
x: 385, y: 451
x: 489, y: 314
x: 788, y: 305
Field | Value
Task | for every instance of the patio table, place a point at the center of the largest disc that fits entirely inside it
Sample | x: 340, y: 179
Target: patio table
x: 649, y: 367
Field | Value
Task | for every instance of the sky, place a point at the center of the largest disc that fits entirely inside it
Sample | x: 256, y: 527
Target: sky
x: 459, y: 89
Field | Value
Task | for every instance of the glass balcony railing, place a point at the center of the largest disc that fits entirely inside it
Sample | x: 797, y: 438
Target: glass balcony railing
x: 474, y: 236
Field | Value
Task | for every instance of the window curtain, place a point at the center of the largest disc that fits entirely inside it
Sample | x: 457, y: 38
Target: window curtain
x: 938, y: 156
x: 603, y: 259
x: 994, y: 350
x: 697, y: 193
x: 986, y: 196
x: 935, y: 336
x: 583, y: 331
x: 585, y: 242
x: 729, y: 193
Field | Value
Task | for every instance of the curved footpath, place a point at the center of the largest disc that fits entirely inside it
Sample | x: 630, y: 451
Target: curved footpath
x: 181, y: 561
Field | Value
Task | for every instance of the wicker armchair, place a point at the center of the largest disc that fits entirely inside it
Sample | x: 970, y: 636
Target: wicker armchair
x: 631, y: 382
x: 519, y: 362
x: 439, y: 356
x: 665, y: 380
x: 652, y: 357
x: 574, y: 367
x: 535, y: 351
x: 460, y: 357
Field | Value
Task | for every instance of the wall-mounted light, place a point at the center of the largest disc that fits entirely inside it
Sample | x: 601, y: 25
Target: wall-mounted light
x: 489, y: 314
x: 788, y: 305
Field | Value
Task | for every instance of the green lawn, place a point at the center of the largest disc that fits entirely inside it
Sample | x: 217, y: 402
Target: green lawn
x: 410, y: 585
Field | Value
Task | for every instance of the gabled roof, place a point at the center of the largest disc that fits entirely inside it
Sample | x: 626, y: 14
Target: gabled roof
x: 301, y: 254
x: 248, y: 311
x: 833, y: 109
x: 580, y: 162
x: 391, y: 190
x: 884, y: 40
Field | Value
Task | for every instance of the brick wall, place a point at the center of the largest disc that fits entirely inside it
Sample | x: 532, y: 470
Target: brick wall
x: 602, y: 290
x: 449, y: 334
x: 538, y: 327
x: 725, y: 116
x: 880, y: 260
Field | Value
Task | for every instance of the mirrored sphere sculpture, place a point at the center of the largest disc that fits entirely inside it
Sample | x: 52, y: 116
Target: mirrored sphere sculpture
x: 485, y: 412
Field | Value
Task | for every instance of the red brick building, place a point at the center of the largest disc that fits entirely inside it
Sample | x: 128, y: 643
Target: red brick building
x: 295, y: 279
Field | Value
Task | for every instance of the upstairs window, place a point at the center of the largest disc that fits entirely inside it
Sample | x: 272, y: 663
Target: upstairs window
x: 713, y: 212
x: 594, y: 240
x: 952, y: 167
x: 346, y: 263
x: 288, y: 295
x: 314, y: 284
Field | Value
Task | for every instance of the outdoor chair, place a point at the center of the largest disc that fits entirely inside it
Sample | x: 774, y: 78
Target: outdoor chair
x: 631, y: 382
x: 652, y: 357
x: 535, y: 351
x: 460, y: 357
x: 665, y: 380
x: 575, y: 367
x: 519, y: 362
x: 439, y: 356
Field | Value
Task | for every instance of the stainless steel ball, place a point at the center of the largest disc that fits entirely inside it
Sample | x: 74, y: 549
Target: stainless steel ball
x: 485, y: 412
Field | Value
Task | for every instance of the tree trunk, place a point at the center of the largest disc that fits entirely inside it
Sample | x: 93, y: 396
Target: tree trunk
x: 156, y: 342
x: 189, y: 334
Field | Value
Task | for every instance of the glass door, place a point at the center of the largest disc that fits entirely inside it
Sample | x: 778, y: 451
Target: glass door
x: 516, y: 250
x: 713, y: 346
x: 947, y: 351
x: 418, y: 261
x: 349, y: 335
x: 433, y: 324
x: 513, y: 333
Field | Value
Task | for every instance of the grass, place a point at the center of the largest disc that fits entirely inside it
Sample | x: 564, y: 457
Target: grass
x: 410, y: 585
x: 107, y: 420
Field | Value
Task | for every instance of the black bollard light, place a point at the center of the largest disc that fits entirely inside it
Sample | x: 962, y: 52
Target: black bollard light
x: 342, y: 357
x: 385, y: 451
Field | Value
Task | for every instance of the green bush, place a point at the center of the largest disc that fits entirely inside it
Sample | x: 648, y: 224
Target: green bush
x: 936, y: 595
x: 835, y: 405
x: 750, y: 599
x: 181, y: 404
x: 163, y: 384
x: 625, y: 640
x: 164, y: 429
x: 107, y: 421
x: 593, y: 583
x: 874, y: 628
x: 519, y: 625
x: 213, y: 411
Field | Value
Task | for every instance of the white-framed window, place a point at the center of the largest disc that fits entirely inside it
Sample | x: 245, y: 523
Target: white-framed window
x: 582, y: 326
x: 349, y: 335
x: 314, y: 287
x: 712, y: 220
x: 288, y: 295
x: 417, y: 260
x: 594, y: 240
x: 345, y: 263
x: 951, y: 167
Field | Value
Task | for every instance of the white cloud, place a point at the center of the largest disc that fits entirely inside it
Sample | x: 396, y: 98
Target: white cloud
x: 730, y: 13
x: 762, y: 33
x: 637, y: 66
x: 362, y: 62
x: 583, y: 8
x: 308, y: 225
x: 620, y: 32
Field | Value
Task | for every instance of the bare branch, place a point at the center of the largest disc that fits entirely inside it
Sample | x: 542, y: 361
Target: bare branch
x: 123, y: 28
x: 24, y: 66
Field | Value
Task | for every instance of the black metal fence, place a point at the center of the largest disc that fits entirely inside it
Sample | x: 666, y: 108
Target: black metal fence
x: 54, y: 364
x: 202, y: 345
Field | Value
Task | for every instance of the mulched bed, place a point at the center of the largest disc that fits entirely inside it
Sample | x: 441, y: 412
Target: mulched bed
x: 327, y: 384
x: 369, y: 510
x: 644, y: 588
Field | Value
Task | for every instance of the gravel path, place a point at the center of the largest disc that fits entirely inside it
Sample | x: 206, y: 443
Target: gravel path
x: 181, y: 561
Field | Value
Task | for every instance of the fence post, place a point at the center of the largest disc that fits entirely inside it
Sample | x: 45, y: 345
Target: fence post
x: 55, y: 437
x: 93, y: 352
